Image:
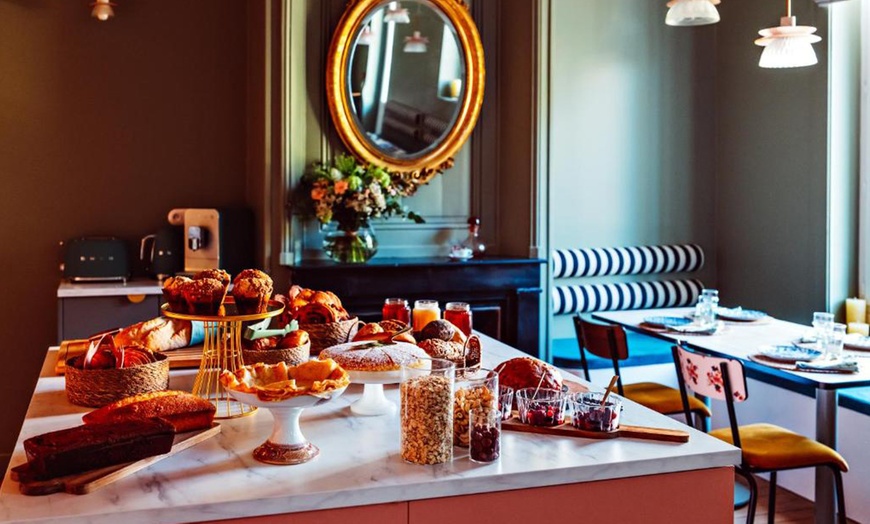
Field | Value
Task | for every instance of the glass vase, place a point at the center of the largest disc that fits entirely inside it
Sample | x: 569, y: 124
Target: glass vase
x: 349, y: 247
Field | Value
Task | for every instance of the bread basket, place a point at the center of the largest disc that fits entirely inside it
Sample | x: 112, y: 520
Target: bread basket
x: 292, y: 356
x: 330, y: 334
x: 98, y: 387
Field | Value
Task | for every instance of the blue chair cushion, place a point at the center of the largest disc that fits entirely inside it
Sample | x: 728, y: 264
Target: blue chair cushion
x: 643, y: 350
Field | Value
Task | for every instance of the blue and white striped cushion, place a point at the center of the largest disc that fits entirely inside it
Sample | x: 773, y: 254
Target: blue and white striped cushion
x: 637, y: 260
x: 627, y: 295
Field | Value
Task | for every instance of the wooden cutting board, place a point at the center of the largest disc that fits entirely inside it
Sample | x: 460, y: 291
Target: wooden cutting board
x: 84, y: 483
x: 567, y: 430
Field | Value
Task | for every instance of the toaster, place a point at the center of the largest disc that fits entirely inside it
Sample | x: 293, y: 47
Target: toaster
x: 95, y: 259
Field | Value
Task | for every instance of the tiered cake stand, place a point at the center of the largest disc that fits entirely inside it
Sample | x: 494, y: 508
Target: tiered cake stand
x: 222, y: 349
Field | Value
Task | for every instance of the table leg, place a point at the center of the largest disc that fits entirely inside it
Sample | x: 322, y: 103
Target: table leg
x: 826, y: 433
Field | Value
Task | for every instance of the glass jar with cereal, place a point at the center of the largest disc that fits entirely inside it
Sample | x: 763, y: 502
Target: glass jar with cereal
x: 426, y: 396
x: 475, y: 389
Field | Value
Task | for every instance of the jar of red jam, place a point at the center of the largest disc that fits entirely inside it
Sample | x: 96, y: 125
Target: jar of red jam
x: 396, y: 309
x: 459, y: 314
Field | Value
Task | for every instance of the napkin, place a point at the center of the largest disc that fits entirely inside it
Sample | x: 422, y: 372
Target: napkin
x: 829, y: 366
x: 698, y: 329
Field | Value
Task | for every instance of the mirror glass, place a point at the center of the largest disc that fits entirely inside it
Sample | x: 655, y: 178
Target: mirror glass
x: 405, y: 80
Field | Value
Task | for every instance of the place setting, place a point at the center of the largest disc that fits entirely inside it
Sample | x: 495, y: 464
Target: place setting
x: 818, y: 352
x: 702, y: 321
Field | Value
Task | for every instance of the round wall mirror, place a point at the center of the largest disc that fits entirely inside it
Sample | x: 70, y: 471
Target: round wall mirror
x: 405, y: 83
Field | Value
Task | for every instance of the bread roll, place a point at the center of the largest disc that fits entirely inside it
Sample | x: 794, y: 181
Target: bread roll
x: 157, y: 334
x: 528, y: 372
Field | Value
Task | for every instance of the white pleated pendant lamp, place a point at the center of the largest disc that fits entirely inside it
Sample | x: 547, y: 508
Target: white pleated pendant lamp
x: 789, y: 44
x: 692, y: 12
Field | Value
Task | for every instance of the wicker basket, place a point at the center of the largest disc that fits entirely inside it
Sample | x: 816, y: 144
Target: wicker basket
x: 326, y: 335
x: 98, y: 387
x: 292, y: 356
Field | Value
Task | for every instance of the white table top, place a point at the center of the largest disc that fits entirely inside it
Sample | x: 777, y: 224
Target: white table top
x: 359, y: 464
x: 741, y: 339
x: 109, y: 289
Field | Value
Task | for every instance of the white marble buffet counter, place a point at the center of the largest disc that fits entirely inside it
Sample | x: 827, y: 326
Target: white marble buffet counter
x: 359, y: 464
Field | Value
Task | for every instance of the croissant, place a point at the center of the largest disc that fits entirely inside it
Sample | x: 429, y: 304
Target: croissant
x: 315, y: 313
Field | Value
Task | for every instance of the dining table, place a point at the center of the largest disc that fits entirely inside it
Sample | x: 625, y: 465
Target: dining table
x: 742, y: 340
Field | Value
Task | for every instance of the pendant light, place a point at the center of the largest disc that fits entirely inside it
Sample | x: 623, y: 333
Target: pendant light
x: 397, y: 15
x: 692, y: 12
x: 416, y: 43
x: 789, y: 44
x: 102, y: 10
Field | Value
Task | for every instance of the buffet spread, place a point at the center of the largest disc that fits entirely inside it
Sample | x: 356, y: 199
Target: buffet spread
x: 458, y: 393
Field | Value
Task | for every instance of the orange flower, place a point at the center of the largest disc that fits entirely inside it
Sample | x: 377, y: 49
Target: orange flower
x: 318, y: 193
x: 340, y: 187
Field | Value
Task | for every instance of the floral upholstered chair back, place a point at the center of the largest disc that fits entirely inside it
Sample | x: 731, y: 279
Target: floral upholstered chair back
x: 703, y: 375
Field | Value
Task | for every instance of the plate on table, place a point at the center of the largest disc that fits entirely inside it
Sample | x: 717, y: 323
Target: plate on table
x: 790, y: 354
x: 666, y: 322
x: 738, y: 314
x: 856, y: 341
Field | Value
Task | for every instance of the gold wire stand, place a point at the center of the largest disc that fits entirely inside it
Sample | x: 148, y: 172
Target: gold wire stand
x: 222, y: 349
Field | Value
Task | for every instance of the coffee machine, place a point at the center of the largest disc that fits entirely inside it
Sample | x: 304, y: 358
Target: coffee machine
x: 216, y: 238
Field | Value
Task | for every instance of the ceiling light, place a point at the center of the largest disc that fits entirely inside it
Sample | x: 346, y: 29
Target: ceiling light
x: 692, y: 12
x: 102, y: 10
x: 397, y: 15
x: 415, y: 43
x: 789, y: 45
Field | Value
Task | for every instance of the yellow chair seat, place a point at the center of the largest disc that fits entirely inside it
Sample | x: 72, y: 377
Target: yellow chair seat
x: 766, y: 446
x: 661, y: 398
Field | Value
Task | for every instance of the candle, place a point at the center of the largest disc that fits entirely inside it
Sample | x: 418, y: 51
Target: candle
x: 861, y: 328
x: 856, y: 310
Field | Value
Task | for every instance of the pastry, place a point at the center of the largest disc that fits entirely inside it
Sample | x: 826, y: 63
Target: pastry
x: 442, y: 330
x: 157, y: 334
x: 375, y: 356
x: 93, y: 446
x: 308, y: 306
x: 528, y: 372
x: 205, y: 296
x: 276, y: 382
x: 111, y: 356
x: 252, y: 295
x: 252, y: 273
x: 173, y: 293
x: 385, y: 331
x: 186, y: 412
x: 218, y: 274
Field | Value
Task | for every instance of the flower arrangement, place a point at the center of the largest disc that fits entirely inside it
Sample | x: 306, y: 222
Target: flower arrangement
x: 351, y: 194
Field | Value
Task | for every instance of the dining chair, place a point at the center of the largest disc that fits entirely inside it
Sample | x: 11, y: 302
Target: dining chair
x: 766, y: 448
x: 608, y: 341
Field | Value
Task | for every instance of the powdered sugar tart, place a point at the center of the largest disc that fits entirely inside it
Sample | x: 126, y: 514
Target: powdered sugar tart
x: 278, y: 382
x: 375, y: 356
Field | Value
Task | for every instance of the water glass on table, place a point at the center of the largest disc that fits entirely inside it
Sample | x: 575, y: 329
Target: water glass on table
x: 705, y: 310
x: 822, y: 323
x: 834, y: 345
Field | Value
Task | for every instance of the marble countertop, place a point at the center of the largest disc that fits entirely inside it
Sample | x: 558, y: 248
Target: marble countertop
x: 359, y: 463
x: 143, y: 286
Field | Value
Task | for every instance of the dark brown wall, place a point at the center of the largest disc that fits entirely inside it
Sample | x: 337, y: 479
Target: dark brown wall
x: 105, y: 126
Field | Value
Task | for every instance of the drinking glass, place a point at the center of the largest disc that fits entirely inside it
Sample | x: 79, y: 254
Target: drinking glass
x: 705, y: 310
x: 425, y: 311
x: 484, y: 435
x: 822, y: 323
x: 834, y: 347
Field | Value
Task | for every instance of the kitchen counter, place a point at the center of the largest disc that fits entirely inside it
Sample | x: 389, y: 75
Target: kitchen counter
x: 359, y: 465
x: 143, y: 286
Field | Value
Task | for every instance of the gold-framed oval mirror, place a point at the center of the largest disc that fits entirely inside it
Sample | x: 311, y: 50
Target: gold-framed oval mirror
x: 405, y: 83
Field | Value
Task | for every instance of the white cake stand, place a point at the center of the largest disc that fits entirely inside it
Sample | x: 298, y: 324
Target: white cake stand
x: 287, y: 445
x: 373, y: 402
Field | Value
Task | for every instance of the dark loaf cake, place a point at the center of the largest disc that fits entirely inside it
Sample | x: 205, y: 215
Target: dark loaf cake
x: 94, y: 446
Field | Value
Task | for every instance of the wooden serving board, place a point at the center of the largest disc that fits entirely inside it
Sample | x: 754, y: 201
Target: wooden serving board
x: 84, y: 483
x: 567, y: 430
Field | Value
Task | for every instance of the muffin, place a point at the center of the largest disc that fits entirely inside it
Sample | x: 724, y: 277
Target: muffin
x: 252, y: 295
x: 173, y: 293
x: 217, y: 274
x: 205, y: 296
x: 252, y: 273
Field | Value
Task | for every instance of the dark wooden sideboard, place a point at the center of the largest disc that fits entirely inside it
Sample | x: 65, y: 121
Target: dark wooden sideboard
x: 504, y: 293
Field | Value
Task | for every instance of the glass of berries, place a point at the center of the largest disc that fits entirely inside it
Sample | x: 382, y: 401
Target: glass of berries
x: 590, y: 414
x: 541, y: 406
